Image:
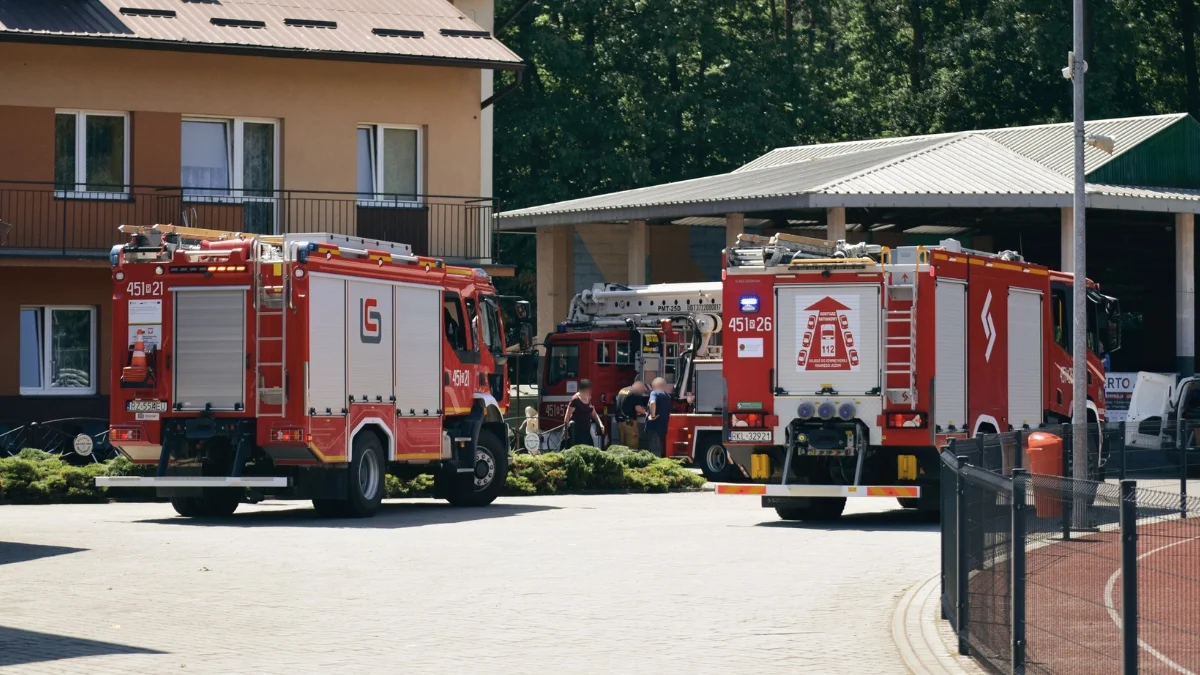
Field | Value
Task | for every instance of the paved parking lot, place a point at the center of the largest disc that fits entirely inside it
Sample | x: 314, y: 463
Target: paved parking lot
x: 684, y: 583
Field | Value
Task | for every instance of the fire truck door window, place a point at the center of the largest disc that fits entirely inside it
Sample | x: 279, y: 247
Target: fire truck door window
x: 473, y: 314
x: 564, y: 363
x: 624, y: 357
x: 604, y: 353
x: 456, y: 334
x: 491, y: 327
x: 1060, y: 310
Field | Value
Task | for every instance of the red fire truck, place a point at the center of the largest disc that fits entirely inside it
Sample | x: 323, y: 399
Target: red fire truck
x: 847, y: 366
x: 615, y: 334
x: 303, y: 366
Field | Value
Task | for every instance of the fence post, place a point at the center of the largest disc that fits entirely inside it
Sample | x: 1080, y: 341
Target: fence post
x: 1184, y: 442
x: 1067, y: 496
x: 960, y: 529
x: 1121, y: 430
x: 1129, y: 603
x: 1020, y: 480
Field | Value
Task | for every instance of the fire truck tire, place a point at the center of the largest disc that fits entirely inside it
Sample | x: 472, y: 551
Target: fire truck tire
x: 366, y: 477
x: 820, y: 510
x: 716, y: 464
x: 909, y: 502
x: 491, y: 469
x: 218, y: 502
x: 188, y: 507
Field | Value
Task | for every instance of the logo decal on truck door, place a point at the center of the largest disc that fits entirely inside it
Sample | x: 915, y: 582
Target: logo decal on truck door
x: 370, y: 327
x: 825, y: 333
x: 989, y: 328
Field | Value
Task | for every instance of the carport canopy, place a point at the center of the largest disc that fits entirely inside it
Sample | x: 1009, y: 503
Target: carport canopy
x: 913, y: 183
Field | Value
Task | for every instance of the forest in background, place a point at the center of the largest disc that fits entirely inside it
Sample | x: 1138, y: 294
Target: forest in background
x: 619, y: 94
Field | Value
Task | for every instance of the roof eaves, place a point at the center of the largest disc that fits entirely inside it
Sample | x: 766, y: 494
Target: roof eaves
x: 517, y: 220
x: 252, y: 50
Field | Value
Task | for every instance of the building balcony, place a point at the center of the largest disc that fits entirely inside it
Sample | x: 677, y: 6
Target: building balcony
x: 43, y: 220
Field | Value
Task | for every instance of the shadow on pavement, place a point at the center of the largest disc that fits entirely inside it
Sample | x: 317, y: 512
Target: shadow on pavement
x: 24, y: 646
x: 390, y: 516
x: 15, y: 552
x: 900, y: 520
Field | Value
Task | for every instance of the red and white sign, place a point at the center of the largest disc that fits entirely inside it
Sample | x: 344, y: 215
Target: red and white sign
x: 825, y: 328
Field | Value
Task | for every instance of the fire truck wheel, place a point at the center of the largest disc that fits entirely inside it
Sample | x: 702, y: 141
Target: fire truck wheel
x: 186, y: 506
x: 820, y: 509
x: 365, y: 491
x: 909, y: 502
x: 491, y: 468
x: 218, y: 502
x: 716, y: 465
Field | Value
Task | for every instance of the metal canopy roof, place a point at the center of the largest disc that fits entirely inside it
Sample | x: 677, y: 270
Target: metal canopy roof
x: 1023, y: 167
x: 415, y: 31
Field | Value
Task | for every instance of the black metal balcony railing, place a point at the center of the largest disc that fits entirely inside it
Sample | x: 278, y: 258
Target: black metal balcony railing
x: 38, y: 220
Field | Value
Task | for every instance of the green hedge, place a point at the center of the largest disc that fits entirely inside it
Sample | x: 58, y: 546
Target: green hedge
x: 36, y: 477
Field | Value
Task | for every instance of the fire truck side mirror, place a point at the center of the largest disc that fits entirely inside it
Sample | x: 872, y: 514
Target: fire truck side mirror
x: 522, y: 309
x: 526, y: 336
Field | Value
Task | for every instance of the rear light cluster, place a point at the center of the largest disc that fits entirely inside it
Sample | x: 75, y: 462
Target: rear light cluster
x: 289, y: 435
x: 125, y: 434
x: 907, y: 420
x: 826, y: 410
x: 750, y: 420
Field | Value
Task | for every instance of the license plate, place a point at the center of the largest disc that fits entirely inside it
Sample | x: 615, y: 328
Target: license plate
x: 750, y: 437
x: 146, y: 406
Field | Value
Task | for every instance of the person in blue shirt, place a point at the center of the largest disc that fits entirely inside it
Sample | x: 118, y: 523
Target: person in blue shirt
x: 659, y: 415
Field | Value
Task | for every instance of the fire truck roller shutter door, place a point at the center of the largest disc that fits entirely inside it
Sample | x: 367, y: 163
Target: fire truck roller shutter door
x: 950, y: 408
x: 418, y: 350
x: 1024, y: 358
x: 210, y: 348
x: 326, y: 345
x: 844, y: 343
x: 369, y: 335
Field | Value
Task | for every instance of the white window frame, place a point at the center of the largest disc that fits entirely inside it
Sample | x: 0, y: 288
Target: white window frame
x: 377, y: 143
x: 47, y: 345
x: 81, y: 191
x: 234, y: 149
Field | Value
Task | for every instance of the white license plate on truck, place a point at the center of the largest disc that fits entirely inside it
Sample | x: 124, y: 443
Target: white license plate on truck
x: 146, y: 406
x: 750, y: 437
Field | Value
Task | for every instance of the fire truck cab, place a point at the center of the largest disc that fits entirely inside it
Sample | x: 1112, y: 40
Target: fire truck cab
x: 304, y: 366
x: 616, y: 334
x: 848, y: 366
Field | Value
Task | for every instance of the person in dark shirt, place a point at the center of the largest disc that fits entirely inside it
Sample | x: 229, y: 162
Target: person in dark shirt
x: 631, y: 404
x: 659, y: 416
x: 581, y: 412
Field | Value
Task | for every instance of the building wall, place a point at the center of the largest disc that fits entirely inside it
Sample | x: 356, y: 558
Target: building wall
x: 82, y: 283
x: 319, y: 104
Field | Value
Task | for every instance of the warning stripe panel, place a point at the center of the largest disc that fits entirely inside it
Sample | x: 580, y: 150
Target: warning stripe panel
x: 725, y: 489
x: 906, y: 491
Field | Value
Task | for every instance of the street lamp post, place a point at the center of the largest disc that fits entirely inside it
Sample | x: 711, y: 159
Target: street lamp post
x: 1077, y: 68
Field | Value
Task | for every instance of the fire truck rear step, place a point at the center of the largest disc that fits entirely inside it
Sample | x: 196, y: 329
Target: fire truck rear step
x: 194, y: 481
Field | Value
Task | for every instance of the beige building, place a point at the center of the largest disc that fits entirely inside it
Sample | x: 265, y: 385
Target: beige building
x: 358, y: 117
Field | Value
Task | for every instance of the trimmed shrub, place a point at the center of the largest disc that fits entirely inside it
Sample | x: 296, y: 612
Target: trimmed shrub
x: 585, y: 468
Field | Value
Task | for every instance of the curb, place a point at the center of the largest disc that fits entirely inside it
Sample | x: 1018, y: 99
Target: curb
x: 927, y: 644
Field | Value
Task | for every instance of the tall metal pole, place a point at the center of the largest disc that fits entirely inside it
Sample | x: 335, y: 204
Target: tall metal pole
x: 1079, y: 341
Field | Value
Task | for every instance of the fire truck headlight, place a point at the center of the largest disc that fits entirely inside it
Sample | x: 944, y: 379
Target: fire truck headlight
x: 158, y: 270
x: 299, y: 273
x: 119, y: 276
x: 806, y: 410
x: 846, y: 411
x: 826, y: 410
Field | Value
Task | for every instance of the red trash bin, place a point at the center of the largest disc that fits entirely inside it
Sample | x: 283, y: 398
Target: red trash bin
x: 1044, y: 454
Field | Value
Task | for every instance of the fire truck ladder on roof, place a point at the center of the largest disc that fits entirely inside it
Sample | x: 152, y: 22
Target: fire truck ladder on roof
x: 270, y: 301
x: 905, y: 319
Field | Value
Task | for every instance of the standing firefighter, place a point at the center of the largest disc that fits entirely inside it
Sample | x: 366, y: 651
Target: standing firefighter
x: 631, y: 405
x: 659, y: 417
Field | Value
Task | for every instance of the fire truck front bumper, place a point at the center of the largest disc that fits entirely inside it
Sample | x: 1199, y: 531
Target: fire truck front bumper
x: 194, y: 481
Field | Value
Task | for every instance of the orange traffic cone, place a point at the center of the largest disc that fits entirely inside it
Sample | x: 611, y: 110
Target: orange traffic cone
x: 138, y: 370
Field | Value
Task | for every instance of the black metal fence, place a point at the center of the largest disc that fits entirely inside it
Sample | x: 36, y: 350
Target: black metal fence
x: 64, y: 437
x: 37, y: 219
x: 1046, y: 574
